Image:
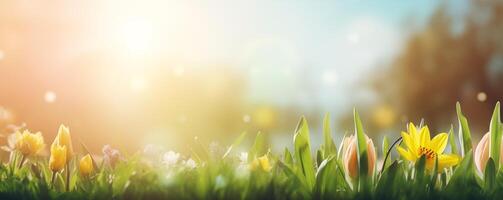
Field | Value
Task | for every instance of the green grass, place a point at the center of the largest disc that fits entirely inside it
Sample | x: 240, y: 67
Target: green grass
x: 300, y: 173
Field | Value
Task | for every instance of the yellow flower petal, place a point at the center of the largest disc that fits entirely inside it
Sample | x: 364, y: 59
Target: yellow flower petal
x: 411, y: 145
x: 447, y: 160
x: 413, y: 132
x: 424, y: 137
x: 406, y: 154
x: 439, y: 143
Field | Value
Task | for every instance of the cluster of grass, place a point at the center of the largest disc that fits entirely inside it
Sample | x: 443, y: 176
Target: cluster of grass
x: 296, y: 174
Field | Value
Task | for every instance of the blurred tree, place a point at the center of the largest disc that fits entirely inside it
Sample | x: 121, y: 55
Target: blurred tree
x: 443, y: 63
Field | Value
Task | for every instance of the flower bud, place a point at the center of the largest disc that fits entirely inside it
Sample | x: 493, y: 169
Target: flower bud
x: 86, y: 165
x: 58, y: 158
x: 64, y: 139
x: 350, y: 155
x: 482, y: 152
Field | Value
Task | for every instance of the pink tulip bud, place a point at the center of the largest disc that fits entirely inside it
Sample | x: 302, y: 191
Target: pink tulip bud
x: 482, y: 152
x: 350, y: 154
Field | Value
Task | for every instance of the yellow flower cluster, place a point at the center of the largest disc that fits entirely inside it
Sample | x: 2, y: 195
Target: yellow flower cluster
x: 29, y: 143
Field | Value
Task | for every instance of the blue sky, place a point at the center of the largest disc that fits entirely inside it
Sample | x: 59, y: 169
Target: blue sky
x: 313, y: 53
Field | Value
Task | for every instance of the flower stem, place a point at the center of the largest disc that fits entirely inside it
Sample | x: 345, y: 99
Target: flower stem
x: 68, y: 176
x: 389, y: 151
x: 53, y: 177
x: 23, y: 158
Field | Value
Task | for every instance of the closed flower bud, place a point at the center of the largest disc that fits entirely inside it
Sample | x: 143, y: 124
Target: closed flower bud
x: 262, y: 163
x: 482, y: 152
x: 350, y: 155
x: 28, y: 143
x: 64, y: 139
x: 86, y: 165
x: 58, y: 158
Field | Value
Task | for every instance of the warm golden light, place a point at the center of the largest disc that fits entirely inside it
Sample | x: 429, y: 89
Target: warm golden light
x: 136, y: 35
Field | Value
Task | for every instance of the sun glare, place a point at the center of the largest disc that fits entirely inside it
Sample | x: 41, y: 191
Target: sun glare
x: 136, y: 36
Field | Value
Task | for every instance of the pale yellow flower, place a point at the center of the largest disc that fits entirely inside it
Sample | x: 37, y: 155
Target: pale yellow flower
x: 28, y: 143
x: 262, y: 162
x: 58, y: 158
x: 64, y: 139
x: 86, y: 165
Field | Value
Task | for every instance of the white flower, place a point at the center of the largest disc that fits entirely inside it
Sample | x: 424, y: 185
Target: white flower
x: 243, y: 169
x: 170, y: 158
x: 152, y: 149
x: 190, y: 164
x: 243, y: 157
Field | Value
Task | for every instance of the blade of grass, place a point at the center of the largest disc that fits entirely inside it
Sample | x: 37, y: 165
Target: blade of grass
x: 329, y: 145
x: 385, y: 149
x: 465, y: 139
x: 234, y: 144
x: 495, y: 128
x: 257, y: 148
x: 490, y: 175
x: 303, y: 152
x: 452, y: 141
x: 361, y: 143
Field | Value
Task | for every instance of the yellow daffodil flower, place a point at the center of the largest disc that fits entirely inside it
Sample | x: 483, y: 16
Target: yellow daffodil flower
x: 262, y: 162
x: 86, y: 165
x: 418, y: 143
x: 28, y: 143
x: 58, y: 158
x: 64, y: 139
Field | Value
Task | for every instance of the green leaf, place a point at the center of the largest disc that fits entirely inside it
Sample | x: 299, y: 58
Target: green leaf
x: 329, y: 147
x: 490, y: 174
x: 420, y: 169
x: 234, y: 144
x: 329, y: 180
x: 495, y: 128
x: 319, y: 157
x: 434, y: 175
x: 385, y: 149
x: 288, y: 157
x: 258, y: 147
x: 361, y: 144
x: 452, y: 141
x: 303, y: 151
x: 464, y: 132
x: 294, y: 179
x: 464, y: 177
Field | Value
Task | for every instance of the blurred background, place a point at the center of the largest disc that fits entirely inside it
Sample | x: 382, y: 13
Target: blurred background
x: 131, y: 73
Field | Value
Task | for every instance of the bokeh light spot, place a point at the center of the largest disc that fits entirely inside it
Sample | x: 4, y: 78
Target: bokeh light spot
x: 481, y: 96
x: 50, y: 97
x: 246, y: 118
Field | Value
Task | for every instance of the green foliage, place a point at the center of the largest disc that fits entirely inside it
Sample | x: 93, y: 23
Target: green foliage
x: 304, y: 174
x: 495, y: 128
x: 328, y: 147
x: 452, y: 141
x: 465, y: 138
x: 303, y: 152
